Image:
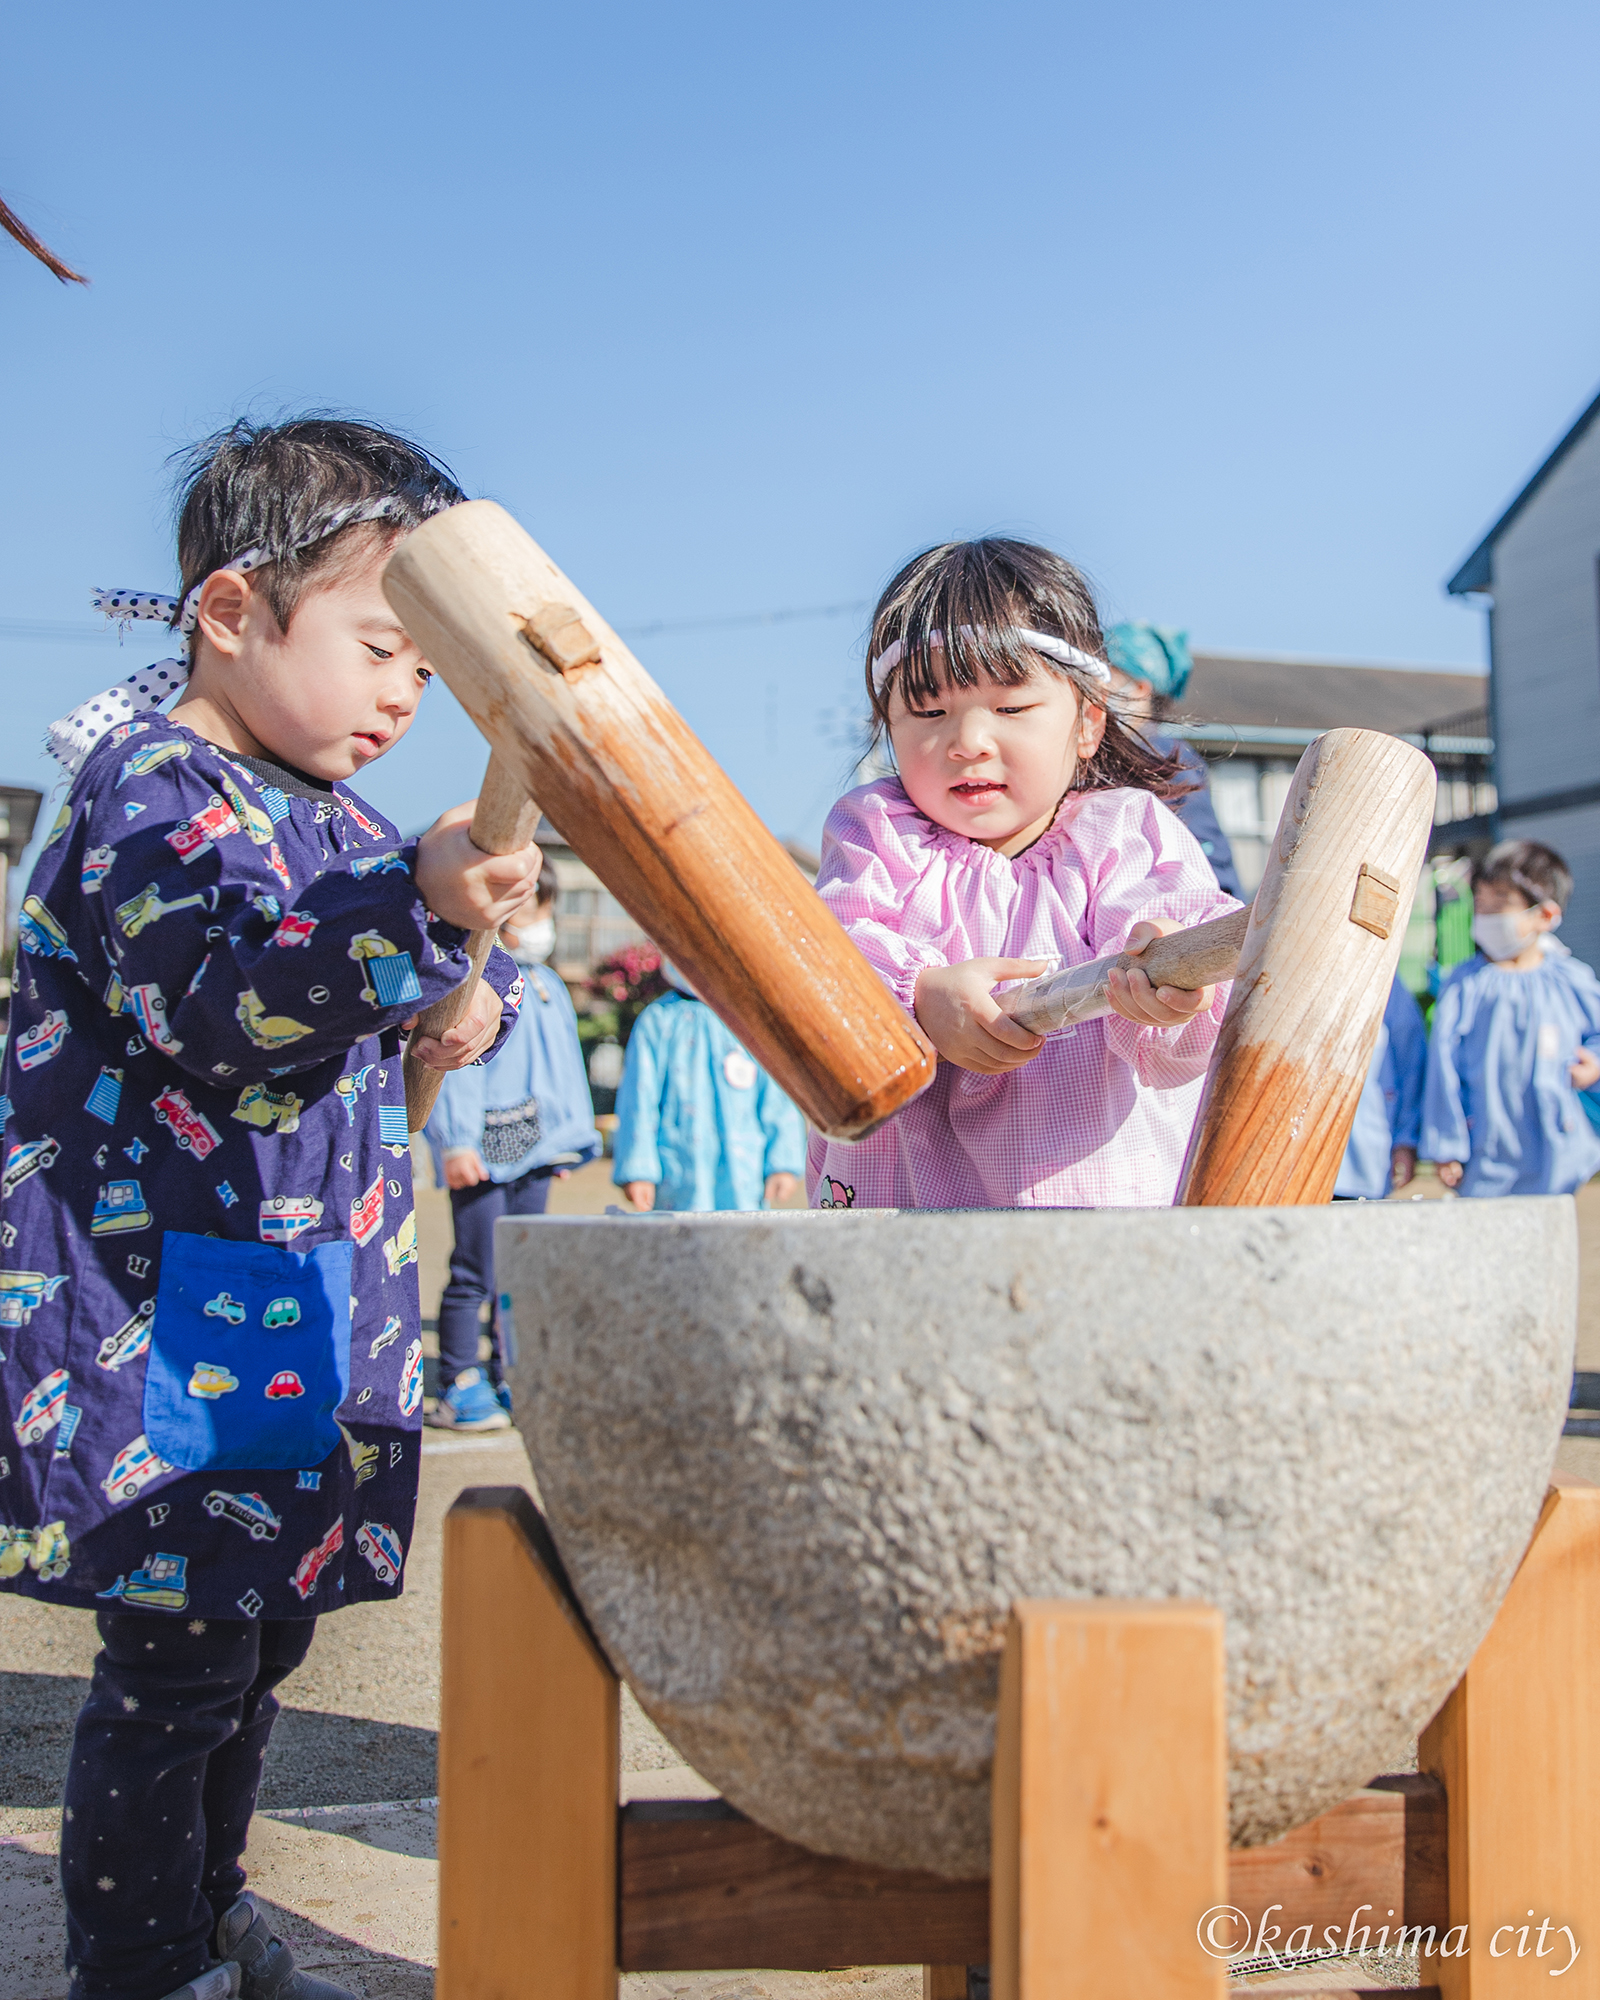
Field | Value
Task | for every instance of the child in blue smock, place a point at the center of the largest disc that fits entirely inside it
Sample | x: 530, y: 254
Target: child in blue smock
x: 700, y: 1125
x: 212, y: 1366
x: 1382, y: 1153
x: 1516, y: 1036
x: 500, y: 1134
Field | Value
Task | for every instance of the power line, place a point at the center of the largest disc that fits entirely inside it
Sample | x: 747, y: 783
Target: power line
x: 47, y: 631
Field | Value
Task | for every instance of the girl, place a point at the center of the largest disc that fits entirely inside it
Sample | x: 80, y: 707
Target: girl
x: 1026, y: 830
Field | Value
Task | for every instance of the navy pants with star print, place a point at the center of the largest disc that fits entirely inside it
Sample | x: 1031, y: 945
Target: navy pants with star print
x: 166, y: 1759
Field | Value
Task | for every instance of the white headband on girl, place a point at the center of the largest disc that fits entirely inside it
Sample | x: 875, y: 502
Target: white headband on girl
x: 70, y: 739
x: 1039, y: 642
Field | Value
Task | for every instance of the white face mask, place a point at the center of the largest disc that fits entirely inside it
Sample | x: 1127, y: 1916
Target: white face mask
x: 1504, y: 936
x: 535, y: 942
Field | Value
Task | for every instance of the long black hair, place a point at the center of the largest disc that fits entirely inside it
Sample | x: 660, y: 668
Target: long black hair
x: 976, y: 599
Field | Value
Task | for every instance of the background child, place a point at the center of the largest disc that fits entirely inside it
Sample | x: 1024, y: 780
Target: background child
x: 1150, y: 668
x: 700, y: 1124
x: 500, y: 1134
x: 1026, y: 830
x: 1516, y: 1036
x: 1382, y: 1153
x: 213, y: 1361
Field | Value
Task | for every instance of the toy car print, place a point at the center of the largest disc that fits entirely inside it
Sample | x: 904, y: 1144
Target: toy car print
x: 149, y: 759
x: 132, y: 1470
x: 315, y: 1561
x: 193, y: 1133
x: 249, y: 1510
x: 28, y: 1158
x: 287, y: 1216
x: 296, y: 928
x: 225, y: 1306
x: 23, y: 1292
x: 39, y: 933
x: 366, y: 1215
x: 281, y: 1312
x: 96, y: 863
x: 119, y: 1210
x: 285, y: 1383
x: 392, y: 863
x: 390, y: 1334
x: 130, y: 1340
x: 149, y: 1009
x: 379, y: 1543
x: 194, y: 836
x: 411, y: 1380
x: 161, y: 1585
x: 363, y: 1457
x: 42, y: 1407
x: 210, y: 1379
x: 401, y: 1248
x: 37, y: 1045
x: 52, y: 1551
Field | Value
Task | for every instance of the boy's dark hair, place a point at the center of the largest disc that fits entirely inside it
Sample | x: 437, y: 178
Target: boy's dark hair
x: 1538, y: 871
x: 975, y: 596
x: 272, y: 486
x: 549, y: 886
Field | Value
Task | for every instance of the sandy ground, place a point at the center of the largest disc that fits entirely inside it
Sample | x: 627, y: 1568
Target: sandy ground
x: 344, y: 1844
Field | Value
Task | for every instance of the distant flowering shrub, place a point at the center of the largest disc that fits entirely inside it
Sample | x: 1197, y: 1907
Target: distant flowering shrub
x: 628, y: 981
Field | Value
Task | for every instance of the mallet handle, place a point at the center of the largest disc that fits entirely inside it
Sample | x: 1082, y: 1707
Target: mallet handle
x: 502, y: 821
x: 1188, y: 959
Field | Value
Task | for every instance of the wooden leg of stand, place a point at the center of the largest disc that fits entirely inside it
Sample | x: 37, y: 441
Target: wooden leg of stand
x: 1517, y: 1747
x: 1110, y: 1802
x: 528, y: 1751
x: 944, y: 1982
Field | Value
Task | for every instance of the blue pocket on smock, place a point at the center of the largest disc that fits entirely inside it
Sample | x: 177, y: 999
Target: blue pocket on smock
x: 249, y: 1353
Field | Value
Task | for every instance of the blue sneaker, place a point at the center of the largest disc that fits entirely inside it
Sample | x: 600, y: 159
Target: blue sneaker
x: 502, y: 1395
x: 469, y: 1404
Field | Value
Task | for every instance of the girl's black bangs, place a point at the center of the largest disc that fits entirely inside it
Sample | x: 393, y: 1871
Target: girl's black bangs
x: 971, y: 656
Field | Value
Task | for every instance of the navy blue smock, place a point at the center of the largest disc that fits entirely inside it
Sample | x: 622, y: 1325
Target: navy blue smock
x: 212, y: 1370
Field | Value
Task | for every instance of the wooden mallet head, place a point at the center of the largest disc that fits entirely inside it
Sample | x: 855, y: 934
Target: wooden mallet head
x: 578, y: 724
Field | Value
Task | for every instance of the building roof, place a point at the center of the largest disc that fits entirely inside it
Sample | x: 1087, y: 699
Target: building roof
x: 1242, y: 695
x: 1477, y: 572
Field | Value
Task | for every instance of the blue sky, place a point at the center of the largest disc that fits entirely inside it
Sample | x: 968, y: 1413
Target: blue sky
x: 1258, y: 312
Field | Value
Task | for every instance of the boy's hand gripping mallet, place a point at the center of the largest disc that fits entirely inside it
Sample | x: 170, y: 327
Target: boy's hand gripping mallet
x: 572, y: 715
x: 1311, y: 962
x: 503, y: 820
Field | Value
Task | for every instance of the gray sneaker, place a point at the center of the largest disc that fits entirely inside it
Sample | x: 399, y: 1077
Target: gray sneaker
x: 265, y: 1961
x: 220, y: 1983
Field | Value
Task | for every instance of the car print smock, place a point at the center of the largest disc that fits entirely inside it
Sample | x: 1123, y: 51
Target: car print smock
x: 210, y: 1349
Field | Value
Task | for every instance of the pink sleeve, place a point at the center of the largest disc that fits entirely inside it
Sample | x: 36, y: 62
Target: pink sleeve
x: 869, y: 874
x: 1150, y: 866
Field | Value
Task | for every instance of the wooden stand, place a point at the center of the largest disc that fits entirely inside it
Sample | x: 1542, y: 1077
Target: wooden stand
x: 1110, y: 1842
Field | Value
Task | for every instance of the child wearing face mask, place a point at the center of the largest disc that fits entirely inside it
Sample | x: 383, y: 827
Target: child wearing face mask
x: 1516, y: 1037
x: 500, y: 1134
x: 1028, y: 827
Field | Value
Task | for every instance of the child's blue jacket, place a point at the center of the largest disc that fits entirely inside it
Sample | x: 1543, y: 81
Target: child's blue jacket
x: 697, y: 1115
x: 212, y: 1368
x: 531, y: 1106
x: 1389, y: 1112
x: 1498, y: 1094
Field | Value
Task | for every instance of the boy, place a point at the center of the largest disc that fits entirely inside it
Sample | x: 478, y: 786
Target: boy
x: 208, y: 1298
x: 700, y: 1125
x: 1516, y: 1036
x: 499, y: 1137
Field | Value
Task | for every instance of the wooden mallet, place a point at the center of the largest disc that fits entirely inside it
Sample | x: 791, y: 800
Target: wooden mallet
x: 1311, y: 962
x: 576, y: 723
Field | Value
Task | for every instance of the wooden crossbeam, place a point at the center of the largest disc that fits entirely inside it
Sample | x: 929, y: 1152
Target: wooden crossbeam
x: 703, y: 1889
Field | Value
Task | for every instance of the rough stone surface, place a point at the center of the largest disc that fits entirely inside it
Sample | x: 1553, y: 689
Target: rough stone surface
x: 799, y: 1466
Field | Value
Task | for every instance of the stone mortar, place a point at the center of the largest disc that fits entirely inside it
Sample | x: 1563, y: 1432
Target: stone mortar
x: 799, y: 1466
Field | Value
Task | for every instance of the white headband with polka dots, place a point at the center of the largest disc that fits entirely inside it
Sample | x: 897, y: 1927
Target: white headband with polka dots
x: 70, y: 739
x: 1039, y: 642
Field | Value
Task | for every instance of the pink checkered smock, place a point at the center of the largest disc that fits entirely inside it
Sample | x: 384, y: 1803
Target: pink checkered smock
x: 1101, y: 1116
